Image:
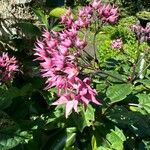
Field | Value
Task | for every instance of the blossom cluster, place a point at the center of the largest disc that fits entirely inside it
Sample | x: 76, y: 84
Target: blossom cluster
x: 58, y: 53
x: 8, y: 67
x: 117, y: 44
x: 88, y: 14
x: 142, y: 34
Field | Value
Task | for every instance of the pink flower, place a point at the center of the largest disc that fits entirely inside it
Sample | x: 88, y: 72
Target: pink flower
x: 72, y: 33
x: 96, y: 4
x: 8, y: 67
x: 70, y: 101
x: 142, y: 34
x: 85, y: 12
x: 108, y: 13
x: 117, y: 44
x: 67, y: 19
x: 67, y: 43
x: 78, y: 91
x: 80, y: 44
x: 86, y: 93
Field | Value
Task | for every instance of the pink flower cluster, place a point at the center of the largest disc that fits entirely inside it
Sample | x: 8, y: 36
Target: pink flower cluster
x: 89, y: 14
x: 142, y: 34
x: 106, y: 12
x: 8, y: 67
x: 59, y: 66
x: 117, y: 43
x: 58, y: 53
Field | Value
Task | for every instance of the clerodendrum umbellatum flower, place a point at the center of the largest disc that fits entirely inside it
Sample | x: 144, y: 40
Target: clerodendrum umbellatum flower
x: 117, y: 43
x: 59, y: 52
x: 8, y: 67
x: 108, y: 13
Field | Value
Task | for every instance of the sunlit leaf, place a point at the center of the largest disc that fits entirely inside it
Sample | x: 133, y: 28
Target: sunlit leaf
x: 93, y: 143
x: 116, y: 138
x: 144, y: 102
x: 118, y: 92
x: 57, y: 12
x: 10, y: 138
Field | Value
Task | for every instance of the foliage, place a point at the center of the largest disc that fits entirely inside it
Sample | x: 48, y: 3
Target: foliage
x: 29, y: 121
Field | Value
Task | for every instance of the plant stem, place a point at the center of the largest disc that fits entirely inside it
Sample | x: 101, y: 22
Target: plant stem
x: 131, y: 104
x: 143, y: 70
x: 94, y: 46
x: 106, y: 73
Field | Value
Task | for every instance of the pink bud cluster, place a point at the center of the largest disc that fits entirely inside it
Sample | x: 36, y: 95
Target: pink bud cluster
x: 117, y: 44
x: 58, y: 53
x: 8, y: 67
x: 143, y: 34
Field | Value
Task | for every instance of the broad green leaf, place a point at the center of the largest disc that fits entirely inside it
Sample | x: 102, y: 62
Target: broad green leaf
x: 103, y: 148
x: 144, y: 102
x: 146, y: 82
x: 61, y: 139
x: 84, y: 118
x: 118, y: 92
x: 29, y: 29
x: 133, y: 121
x: 116, y: 138
x: 89, y: 115
x: 5, y: 120
x: 8, y: 142
x: 10, y: 138
x: 71, y: 135
x: 14, y: 92
x: 6, y: 96
x: 5, y: 99
x: 26, y: 90
x: 57, y: 12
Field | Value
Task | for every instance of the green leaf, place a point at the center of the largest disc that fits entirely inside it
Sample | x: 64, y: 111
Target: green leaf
x: 57, y: 12
x: 144, y: 145
x: 116, y: 138
x: 5, y: 120
x: 89, y: 115
x: 26, y: 90
x: 61, y: 139
x: 134, y: 121
x: 6, y: 96
x: 42, y: 17
x: 11, y: 137
x: 84, y: 118
x: 93, y: 143
x: 144, y: 102
x: 141, y: 65
x: 5, y: 99
x: 146, y: 82
x: 71, y: 135
x: 118, y: 92
x: 103, y: 148
x: 29, y: 29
